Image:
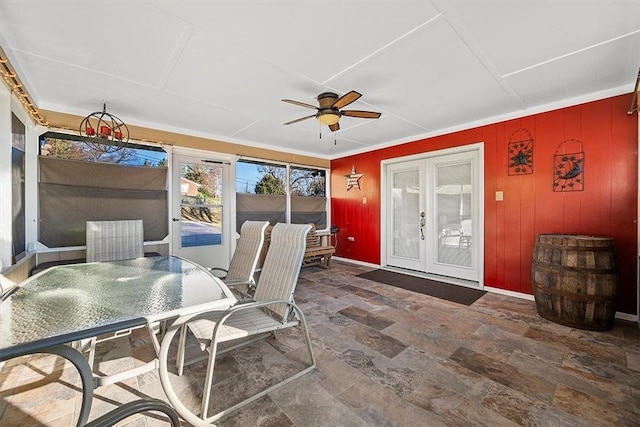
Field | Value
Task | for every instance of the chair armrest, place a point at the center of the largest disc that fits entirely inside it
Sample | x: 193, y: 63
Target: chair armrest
x: 135, y: 407
x: 240, y: 307
x: 236, y: 282
x: 224, y: 270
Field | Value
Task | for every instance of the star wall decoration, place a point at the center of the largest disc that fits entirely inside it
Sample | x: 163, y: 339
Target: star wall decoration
x: 520, y: 152
x: 353, y: 179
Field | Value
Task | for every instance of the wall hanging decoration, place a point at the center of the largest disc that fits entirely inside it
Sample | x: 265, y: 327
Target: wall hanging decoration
x: 520, y: 153
x: 568, y: 166
x: 353, y: 179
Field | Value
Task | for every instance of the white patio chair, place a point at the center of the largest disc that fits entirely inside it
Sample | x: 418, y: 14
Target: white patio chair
x: 112, y: 241
x: 273, y: 309
x: 465, y: 234
x: 239, y: 275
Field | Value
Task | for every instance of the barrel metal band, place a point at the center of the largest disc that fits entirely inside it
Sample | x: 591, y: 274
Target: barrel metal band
x: 576, y: 248
x: 556, y: 267
x: 573, y: 295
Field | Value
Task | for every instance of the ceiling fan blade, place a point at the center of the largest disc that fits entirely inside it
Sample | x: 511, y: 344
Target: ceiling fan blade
x: 361, y: 114
x: 335, y: 127
x: 302, y: 104
x: 346, y: 99
x: 300, y: 119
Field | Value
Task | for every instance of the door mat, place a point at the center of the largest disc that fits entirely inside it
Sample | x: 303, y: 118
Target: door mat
x: 445, y: 291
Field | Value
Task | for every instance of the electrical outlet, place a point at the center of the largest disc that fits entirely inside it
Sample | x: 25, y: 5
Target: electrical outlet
x: 499, y: 196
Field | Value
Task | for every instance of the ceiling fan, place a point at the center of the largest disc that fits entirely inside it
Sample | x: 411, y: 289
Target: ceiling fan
x: 328, y: 111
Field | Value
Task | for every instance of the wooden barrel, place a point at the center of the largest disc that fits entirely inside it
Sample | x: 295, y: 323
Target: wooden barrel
x: 575, y: 280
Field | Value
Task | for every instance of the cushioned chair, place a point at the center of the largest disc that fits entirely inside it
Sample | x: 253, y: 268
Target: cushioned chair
x: 273, y: 308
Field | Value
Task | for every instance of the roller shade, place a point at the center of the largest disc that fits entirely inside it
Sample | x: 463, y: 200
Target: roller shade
x: 72, y: 192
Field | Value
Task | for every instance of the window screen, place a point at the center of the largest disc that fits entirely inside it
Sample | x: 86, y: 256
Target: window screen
x: 87, y: 186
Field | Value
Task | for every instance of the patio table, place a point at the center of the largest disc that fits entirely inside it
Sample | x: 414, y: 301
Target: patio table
x: 72, y: 302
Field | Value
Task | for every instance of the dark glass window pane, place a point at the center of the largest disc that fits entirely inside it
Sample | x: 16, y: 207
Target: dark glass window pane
x: 17, y: 177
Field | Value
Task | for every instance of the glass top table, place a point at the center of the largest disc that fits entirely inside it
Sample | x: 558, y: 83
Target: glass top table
x: 73, y: 302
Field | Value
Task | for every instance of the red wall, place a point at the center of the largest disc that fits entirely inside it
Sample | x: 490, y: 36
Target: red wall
x: 607, y: 206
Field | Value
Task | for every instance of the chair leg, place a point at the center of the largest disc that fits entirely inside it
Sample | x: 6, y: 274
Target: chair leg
x: 92, y: 351
x: 206, y: 395
x: 209, y: 380
x: 182, y: 344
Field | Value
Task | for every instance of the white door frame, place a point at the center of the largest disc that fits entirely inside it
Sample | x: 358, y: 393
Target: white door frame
x: 384, y: 202
x: 229, y: 200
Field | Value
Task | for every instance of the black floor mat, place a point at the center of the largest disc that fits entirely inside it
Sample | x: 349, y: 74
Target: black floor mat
x: 446, y: 291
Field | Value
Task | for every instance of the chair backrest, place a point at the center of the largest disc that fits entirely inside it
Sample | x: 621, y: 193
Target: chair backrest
x: 245, y: 257
x: 114, y: 240
x: 466, y: 227
x: 281, y: 268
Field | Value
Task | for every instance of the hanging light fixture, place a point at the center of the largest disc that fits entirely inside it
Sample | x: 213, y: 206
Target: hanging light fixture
x: 104, y: 132
x: 328, y: 116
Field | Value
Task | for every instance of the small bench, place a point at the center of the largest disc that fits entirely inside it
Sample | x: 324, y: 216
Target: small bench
x: 316, y: 254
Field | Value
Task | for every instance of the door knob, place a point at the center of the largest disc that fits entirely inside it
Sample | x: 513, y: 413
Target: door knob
x: 175, y: 219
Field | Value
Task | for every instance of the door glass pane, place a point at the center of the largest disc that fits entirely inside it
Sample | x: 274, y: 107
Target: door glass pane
x: 406, y: 214
x: 200, y: 204
x: 454, y: 210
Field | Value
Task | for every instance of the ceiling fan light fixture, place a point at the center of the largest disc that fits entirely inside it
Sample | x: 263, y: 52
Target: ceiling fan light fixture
x: 329, y: 118
x: 328, y: 111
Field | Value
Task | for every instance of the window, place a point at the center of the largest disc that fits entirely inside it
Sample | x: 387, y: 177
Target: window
x: 280, y: 193
x: 17, y: 184
x: 308, y: 196
x: 79, y: 183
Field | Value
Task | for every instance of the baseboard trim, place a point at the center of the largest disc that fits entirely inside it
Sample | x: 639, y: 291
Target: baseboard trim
x: 356, y: 262
x: 509, y: 293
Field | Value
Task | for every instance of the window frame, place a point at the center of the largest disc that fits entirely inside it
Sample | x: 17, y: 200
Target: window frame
x: 288, y: 166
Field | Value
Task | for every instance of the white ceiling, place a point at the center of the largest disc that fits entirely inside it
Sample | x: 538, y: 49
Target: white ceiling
x: 220, y: 69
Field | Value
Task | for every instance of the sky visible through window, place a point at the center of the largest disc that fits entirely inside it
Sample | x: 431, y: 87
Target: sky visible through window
x: 74, y: 148
x: 247, y: 176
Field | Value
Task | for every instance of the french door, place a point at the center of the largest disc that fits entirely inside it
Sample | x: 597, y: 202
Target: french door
x: 201, y: 220
x: 433, y: 215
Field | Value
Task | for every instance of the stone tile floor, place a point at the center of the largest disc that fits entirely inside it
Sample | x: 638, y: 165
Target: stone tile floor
x: 386, y: 357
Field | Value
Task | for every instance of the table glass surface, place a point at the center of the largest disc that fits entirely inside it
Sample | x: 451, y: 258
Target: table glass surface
x: 71, y: 302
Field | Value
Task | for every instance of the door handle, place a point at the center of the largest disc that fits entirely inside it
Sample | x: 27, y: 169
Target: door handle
x: 175, y: 219
x: 423, y: 222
